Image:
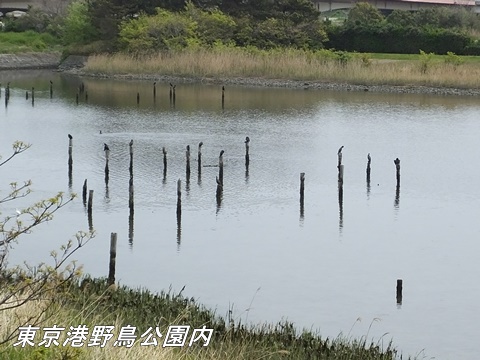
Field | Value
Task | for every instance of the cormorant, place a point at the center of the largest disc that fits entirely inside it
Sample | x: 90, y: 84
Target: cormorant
x: 247, y: 140
x: 70, y: 136
x: 51, y: 82
x: 223, y: 88
x: 131, y: 142
x: 340, y: 150
x: 105, y: 147
x: 188, y: 147
x: 221, y: 152
x: 200, y: 144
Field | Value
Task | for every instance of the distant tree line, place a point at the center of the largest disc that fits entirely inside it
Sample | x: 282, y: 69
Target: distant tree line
x: 140, y: 26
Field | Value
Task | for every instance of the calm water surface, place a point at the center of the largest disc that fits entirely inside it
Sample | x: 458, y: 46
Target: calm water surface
x: 327, y: 270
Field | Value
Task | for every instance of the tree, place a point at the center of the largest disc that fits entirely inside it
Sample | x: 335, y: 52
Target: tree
x: 364, y: 14
x: 20, y: 285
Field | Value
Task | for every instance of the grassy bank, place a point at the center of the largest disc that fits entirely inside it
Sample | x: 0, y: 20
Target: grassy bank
x: 324, y: 66
x: 28, y: 41
x: 92, y: 302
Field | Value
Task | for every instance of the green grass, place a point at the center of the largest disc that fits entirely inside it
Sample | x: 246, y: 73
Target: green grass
x: 93, y: 302
x: 410, y: 57
x: 28, y: 41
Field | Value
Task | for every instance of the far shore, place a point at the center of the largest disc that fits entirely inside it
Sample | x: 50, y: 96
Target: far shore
x: 284, y: 83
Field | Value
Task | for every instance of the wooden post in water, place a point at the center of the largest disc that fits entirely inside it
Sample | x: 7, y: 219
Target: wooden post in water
x: 340, y: 175
x: 174, y: 86
x: 399, y: 291
x: 113, y: 256
x: 188, y: 163
x: 219, y: 191
x: 90, y: 210
x: 51, y: 89
x: 154, y: 90
x: 164, y: 162
x: 84, y: 192
x: 33, y: 95
x: 76, y: 99
x: 247, y: 149
x: 179, y: 198
x: 339, y: 154
x: 26, y: 95
x: 220, y: 167
x: 90, y: 202
x: 86, y: 96
x: 302, y: 192
x: 131, y: 157
x: 397, y: 165
x: 130, y: 195
x: 70, y: 158
x: 107, y: 157
x: 223, y: 97
x: 138, y: 98
x: 369, y: 161
x: 200, y: 144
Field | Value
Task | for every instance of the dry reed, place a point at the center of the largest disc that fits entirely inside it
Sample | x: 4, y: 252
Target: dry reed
x: 287, y: 65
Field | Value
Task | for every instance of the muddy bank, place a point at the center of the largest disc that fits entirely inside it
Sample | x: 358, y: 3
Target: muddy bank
x: 30, y: 61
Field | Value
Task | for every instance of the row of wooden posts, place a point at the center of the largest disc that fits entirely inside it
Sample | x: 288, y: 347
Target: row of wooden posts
x: 82, y: 91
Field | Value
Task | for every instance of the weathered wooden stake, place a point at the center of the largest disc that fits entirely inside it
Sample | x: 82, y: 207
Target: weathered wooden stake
x: 138, y: 98
x: 223, y: 97
x: 200, y: 144
x: 51, y: 89
x: 70, y: 158
x: 164, y: 162
x: 113, y: 256
x: 340, y: 206
x: 188, y: 163
x: 26, y: 95
x: 107, y: 170
x: 340, y: 175
x: 86, y: 96
x: 399, y: 291
x: 90, y: 205
x: 247, y: 149
x: 154, y: 90
x: 302, y: 188
x: 76, y: 99
x: 131, y: 157
x: 130, y: 194
x: 397, y: 165
x: 130, y: 226
x: 84, y: 192
x: 220, y: 168
x: 179, y: 198
x: 339, y: 154
x: 33, y: 95
x: 369, y: 161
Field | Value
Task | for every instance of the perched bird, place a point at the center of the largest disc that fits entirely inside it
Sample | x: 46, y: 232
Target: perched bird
x: 340, y: 150
x: 223, y: 88
x: 100, y: 131
x: 188, y: 147
x: 131, y: 142
x: 51, y: 82
x: 222, y: 152
x: 154, y: 83
x: 70, y: 136
x: 200, y: 144
x: 247, y: 140
x: 105, y: 147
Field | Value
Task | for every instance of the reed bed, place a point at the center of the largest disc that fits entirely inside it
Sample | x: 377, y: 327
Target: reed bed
x: 289, y: 65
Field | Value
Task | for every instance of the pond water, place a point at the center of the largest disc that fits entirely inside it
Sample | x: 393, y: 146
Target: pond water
x: 332, y: 267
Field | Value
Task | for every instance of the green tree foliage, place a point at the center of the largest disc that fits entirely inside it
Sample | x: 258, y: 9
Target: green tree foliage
x: 401, y: 18
x: 212, y: 25
x: 364, y: 14
x: 164, y: 31
x: 77, y: 27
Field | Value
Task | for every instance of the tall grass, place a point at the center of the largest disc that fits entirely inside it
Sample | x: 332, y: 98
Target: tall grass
x: 322, y: 66
x: 93, y: 302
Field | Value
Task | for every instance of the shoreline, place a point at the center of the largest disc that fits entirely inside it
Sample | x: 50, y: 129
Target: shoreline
x: 282, y: 83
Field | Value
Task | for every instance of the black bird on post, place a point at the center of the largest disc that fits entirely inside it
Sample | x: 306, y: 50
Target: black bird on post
x: 105, y: 147
x: 70, y: 136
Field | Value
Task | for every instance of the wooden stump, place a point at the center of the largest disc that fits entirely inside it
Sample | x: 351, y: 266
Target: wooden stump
x: 113, y: 256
